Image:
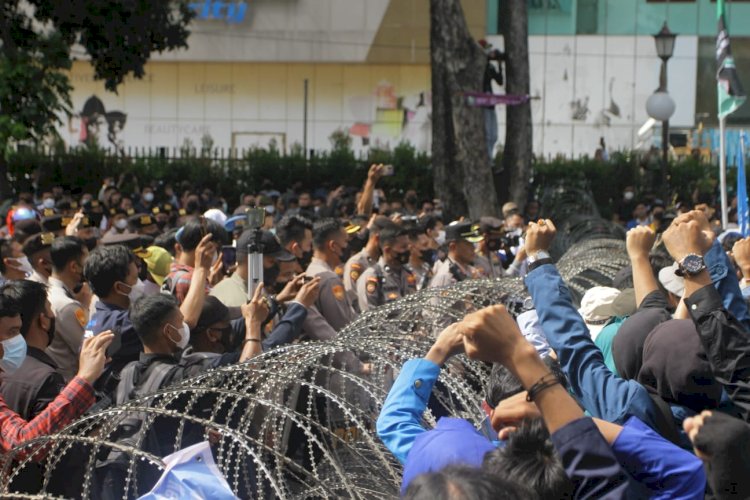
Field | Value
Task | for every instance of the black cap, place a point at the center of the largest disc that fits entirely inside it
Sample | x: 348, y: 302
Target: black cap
x: 140, y: 221
x: 130, y: 240
x: 271, y: 246
x: 463, y: 231
x: 37, y: 243
x: 53, y: 223
x: 491, y: 225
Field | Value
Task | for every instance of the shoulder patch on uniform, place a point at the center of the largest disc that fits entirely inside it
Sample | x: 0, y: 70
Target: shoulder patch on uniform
x: 356, y: 266
x: 354, y: 274
x: 392, y: 296
x: 81, y: 317
x: 338, y: 292
x: 411, y: 279
x: 339, y: 271
x: 372, y: 285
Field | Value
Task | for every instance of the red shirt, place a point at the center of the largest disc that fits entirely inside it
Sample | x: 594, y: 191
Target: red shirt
x: 73, y: 400
x: 181, y: 286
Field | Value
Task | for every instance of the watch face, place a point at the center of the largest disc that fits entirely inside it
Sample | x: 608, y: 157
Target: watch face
x: 693, y: 264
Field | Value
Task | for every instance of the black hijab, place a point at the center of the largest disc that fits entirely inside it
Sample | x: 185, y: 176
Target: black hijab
x: 675, y: 367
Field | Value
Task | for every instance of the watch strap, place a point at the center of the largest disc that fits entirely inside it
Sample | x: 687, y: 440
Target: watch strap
x: 540, y: 262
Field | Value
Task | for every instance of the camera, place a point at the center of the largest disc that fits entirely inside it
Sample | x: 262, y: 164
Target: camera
x: 256, y: 216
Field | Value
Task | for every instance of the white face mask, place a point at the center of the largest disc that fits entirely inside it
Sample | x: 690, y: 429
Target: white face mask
x: 121, y: 223
x: 628, y: 195
x: 14, y: 352
x: 184, y: 333
x: 440, y: 238
x: 136, y: 291
x: 23, y: 264
x: 149, y: 197
x: 48, y: 203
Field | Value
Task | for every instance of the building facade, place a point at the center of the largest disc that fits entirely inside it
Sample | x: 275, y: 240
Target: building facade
x: 241, y: 82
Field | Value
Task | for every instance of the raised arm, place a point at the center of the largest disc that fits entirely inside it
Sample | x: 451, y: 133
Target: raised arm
x: 639, y: 242
x: 193, y: 304
x: 400, y: 420
x: 364, y: 206
x: 725, y: 340
x: 600, y: 392
x: 491, y: 335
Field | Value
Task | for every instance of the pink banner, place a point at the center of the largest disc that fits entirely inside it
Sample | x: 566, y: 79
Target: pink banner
x: 484, y: 100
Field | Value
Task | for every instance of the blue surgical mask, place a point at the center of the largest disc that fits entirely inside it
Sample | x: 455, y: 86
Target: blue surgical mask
x: 14, y: 352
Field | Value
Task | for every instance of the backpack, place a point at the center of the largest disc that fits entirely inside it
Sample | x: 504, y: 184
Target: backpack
x: 171, y: 283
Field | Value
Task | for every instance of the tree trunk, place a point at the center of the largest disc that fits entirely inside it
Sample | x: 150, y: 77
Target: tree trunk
x: 463, y: 177
x: 514, y: 180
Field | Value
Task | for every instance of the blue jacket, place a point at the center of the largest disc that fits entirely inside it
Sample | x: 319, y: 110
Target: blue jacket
x: 601, y: 392
x: 726, y: 283
x: 664, y: 469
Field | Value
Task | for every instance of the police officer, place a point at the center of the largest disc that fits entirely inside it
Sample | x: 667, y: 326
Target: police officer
x: 487, y: 259
x: 37, y: 249
x: 70, y: 298
x: 330, y: 249
x: 388, y: 280
x: 364, y: 259
x: 460, y: 237
x: 143, y: 224
x: 422, y: 256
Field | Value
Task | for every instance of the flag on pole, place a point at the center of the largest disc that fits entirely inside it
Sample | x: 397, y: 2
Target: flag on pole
x: 743, y: 212
x: 731, y: 93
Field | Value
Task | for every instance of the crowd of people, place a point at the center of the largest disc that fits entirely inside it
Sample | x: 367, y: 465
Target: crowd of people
x: 642, y: 391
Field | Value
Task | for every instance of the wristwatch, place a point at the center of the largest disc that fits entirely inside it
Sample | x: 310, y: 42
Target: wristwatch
x: 541, y: 254
x: 690, y: 265
x: 538, y: 259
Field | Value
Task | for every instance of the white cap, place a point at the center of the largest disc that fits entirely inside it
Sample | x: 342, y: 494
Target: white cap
x: 597, y: 307
x: 216, y: 215
x: 669, y: 280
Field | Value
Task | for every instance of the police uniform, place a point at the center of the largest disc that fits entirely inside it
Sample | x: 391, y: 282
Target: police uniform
x: 382, y: 284
x: 355, y: 267
x: 449, y: 272
x: 231, y: 291
x: 332, y: 302
x: 423, y: 274
x: 487, y: 270
x: 70, y: 319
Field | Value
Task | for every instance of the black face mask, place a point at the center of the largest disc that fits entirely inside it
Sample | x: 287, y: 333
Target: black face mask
x: 428, y: 255
x: 279, y: 286
x: 411, y: 200
x: 306, y: 258
x: 345, y: 254
x: 269, y: 276
x: 494, y: 245
x: 403, y: 257
x: 358, y: 243
x: 90, y: 243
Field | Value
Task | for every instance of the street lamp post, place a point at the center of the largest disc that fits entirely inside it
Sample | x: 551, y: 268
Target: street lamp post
x: 660, y: 106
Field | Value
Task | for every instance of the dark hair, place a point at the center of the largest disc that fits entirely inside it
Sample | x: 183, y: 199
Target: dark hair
x: 429, y: 222
x: 167, y: 241
x: 107, y: 265
x: 729, y: 241
x: 149, y: 314
x: 503, y: 384
x: 31, y: 298
x: 324, y: 230
x: 9, y: 307
x: 464, y: 483
x: 292, y: 228
x: 6, y: 252
x: 416, y: 231
x: 530, y: 458
x: 64, y: 250
x: 390, y: 233
x: 194, y: 231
